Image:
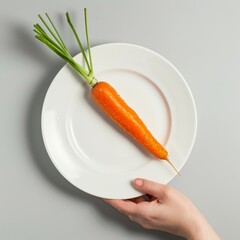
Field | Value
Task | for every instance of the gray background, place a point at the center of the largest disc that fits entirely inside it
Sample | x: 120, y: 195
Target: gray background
x: 201, y: 38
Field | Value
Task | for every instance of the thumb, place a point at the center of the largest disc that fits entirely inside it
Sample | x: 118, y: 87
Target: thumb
x: 149, y: 187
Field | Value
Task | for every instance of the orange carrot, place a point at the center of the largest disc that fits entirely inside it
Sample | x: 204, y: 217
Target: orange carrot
x: 116, y: 108
x: 103, y: 93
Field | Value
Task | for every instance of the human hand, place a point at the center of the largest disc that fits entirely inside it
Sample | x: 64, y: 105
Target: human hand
x: 163, y: 208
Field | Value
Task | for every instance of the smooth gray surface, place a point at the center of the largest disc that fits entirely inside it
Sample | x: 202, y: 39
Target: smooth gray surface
x: 201, y: 38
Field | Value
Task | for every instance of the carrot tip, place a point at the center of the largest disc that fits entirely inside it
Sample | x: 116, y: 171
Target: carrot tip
x: 173, y: 167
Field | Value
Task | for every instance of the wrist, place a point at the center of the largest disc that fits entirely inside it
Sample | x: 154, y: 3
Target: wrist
x: 201, y: 230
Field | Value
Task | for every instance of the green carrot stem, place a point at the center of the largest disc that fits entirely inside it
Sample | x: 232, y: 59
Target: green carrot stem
x: 54, y: 41
x: 87, y: 37
x: 78, y: 40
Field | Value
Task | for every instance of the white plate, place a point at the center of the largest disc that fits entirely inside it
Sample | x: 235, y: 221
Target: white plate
x: 95, y: 155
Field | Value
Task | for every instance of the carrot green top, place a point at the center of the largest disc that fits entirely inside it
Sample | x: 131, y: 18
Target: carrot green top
x: 53, y: 40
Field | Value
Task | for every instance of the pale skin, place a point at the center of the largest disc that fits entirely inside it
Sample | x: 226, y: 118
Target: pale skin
x: 165, y: 209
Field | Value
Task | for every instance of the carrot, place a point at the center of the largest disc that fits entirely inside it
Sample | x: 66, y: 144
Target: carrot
x: 102, y: 93
x: 115, y: 107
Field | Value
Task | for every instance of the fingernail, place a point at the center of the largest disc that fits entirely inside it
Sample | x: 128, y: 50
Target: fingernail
x: 139, y: 182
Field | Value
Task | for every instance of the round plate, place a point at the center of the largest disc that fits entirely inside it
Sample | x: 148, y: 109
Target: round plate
x: 90, y: 150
